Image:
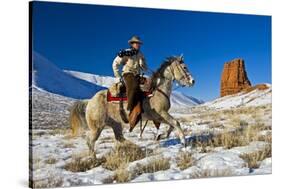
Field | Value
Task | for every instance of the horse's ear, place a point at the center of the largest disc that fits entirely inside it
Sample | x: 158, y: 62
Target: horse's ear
x: 181, y: 57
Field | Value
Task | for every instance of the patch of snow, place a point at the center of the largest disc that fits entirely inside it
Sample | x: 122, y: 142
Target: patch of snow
x: 224, y: 160
x: 97, y: 175
x: 265, y: 167
x: 252, y: 147
x: 266, y: 163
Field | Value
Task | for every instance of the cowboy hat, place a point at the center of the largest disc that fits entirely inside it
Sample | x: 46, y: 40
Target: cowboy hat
x: 135, y: 39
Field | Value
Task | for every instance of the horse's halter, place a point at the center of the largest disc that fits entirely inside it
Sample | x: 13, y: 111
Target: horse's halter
x: 185, y: 75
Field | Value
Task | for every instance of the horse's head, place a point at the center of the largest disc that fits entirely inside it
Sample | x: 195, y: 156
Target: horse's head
x: 179, y: 72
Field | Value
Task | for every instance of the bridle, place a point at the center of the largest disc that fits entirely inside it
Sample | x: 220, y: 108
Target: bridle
x: 184, y: 74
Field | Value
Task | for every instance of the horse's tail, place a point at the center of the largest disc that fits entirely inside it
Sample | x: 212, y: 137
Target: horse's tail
x: 77, y: 116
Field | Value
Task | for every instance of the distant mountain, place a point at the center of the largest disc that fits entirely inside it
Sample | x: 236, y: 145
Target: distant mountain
x: 178, y: 99
x: 47, y: 76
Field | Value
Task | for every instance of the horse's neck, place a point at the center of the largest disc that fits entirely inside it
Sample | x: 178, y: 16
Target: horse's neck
x: 165, y: 86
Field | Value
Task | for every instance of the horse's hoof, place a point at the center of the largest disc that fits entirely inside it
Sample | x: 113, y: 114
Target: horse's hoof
x: 184, y: 144
x: 158, y: 137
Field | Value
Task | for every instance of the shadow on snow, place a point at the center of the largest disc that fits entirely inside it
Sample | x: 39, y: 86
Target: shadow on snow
x: 190, y: 140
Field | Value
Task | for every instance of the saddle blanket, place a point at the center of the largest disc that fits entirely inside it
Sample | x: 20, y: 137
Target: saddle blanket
x: 113, y: 98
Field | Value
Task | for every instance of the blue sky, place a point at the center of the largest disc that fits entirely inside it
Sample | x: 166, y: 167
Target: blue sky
x: 87, y: 37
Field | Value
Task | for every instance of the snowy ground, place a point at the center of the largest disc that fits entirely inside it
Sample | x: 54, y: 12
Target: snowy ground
x: 53, y: 149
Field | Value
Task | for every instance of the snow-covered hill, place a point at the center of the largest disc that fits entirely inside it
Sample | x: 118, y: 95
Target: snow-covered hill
x: 47, y: 76
x: 49, y: 110
x: 105, y: 81
x: 254, y: 98
x: 178, y: 99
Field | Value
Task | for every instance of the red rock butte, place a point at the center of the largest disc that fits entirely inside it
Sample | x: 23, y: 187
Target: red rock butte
x: 234, y: 78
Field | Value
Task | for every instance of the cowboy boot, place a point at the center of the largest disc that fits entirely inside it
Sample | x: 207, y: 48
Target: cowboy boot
x: 135, y: 116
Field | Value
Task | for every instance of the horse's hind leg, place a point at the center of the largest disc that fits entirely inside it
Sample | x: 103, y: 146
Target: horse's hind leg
x: 93, y: 135
x: 171, y: 128
x: 118, y: 132
x: 166, y: 135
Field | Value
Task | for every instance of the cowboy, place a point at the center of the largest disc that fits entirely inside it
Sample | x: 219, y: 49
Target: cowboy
x: 133, y: 63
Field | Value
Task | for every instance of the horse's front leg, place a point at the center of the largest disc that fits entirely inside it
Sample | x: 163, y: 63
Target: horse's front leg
x: 170, y: 120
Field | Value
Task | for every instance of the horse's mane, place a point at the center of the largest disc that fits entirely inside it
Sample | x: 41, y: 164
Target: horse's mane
x: 159, y: 72
x: 167, y: 62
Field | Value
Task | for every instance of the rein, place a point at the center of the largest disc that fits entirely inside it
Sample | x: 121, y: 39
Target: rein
x: 164, y: 94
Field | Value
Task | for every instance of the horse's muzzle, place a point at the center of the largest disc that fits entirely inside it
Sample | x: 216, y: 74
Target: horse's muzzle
x: 192, y: 82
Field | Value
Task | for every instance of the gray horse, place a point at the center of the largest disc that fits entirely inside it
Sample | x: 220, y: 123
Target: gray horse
x: 97, y: 112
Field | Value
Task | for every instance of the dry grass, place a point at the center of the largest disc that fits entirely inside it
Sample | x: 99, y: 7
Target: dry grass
x: 216, y: 124
x: 243, y: 123
x: 184, y: 160
x: 68, y: 145
x: 35, y: 163
x: 51, y: 160
x: 246, y: 124
x: 36, y: 134
x: 265, y: 138
x: 259, y: 126
x: 242, y: 128
x: 241, y: 136
x: 230, y: 139
x: 59, y: 131
x: 83, y: 162
x: 254, y: 159
x: 122, y: 174
x: 204, y: 148
x: 157, y: 164
x: 123, y: 153
x: 254, y: 130
x: 226, y: 139
x: 51, y: 182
